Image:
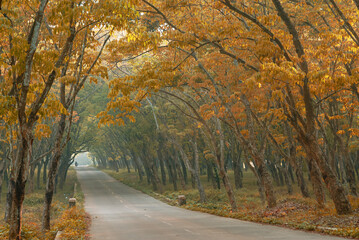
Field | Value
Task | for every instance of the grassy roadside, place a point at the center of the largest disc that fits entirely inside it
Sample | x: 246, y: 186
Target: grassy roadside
x: 292, y: 211
x: 73, y: 223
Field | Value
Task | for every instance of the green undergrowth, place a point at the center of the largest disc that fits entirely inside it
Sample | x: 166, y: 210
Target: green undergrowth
x: 292, y: 211
x: 73, y: 223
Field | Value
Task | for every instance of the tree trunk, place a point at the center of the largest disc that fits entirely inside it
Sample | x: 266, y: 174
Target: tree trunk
x: 156, y: 183
x: 44, y: 173
x: 357, y: 162
x: 147, y: 171
x: 202, y: 194
x: 195, y: 169
x: 139, y: 168
x: 237, y: 169
x: 279, y: 170
x: 38, y: 175
x: 287, y: 178
x: 184, y: 170
x: 171, y: 175
x: 179, y: 171
x: 216, y: 177
x: 31, y: 178
x: 300, y: 178
x: 62, y: 173
x: 349, y: 170
x: 8, y: 203
x: 163, y: 172
x: 297, y: 164
x: 127, y: 164
x: 336, y: 190
x: 50, y: 184
x: 274, y: 173
x: 18, y: 181
x: 259, y: 180
x: 3, y: 167
x: 210, y: 174
x: 162, y: 167
x: 222, y: 171
x: 316, y: 179
x: 266, y: 183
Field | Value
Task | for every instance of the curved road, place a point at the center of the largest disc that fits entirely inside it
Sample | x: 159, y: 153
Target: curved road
x: 122, y: 213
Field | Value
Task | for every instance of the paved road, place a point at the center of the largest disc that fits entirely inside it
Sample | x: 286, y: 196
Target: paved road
x: 122, y: 213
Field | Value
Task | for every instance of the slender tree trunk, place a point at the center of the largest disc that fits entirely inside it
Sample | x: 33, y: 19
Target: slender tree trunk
x: 184, y: 170
x: 202, y: 194
x: 147, y: 171
x: 336, y: 190
x: 127, y: 164
x: 222, y: 171
x: 179, y: 171
x: 274, y: 173
x: 287, y: 178
x: 44, y: 173
x: 3, y: 167
x: 279, y: 170
x: 296, y: 163
x: 316, y: 179
x: 210, y: 175
x: 300, y: 178
x: 8, y: 203
x: 290, y: 172
x: 38, y: 174
x: 156, y: 183
x: 50, y: 184
x: 171, y: 175
x: 349, y: 170
x: 357, y: 162
x: 139, y: 168
x: 62, y: 173
x: 163, y: 172
x: 31, y: 178
x: 237, y: 169
x: 267, y: 184
x: 195, y: 169
x: 259, y: 180
x: 216, y: 177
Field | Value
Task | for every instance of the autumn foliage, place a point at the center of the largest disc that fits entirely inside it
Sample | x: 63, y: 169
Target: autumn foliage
x: 281, y: 75
x: 269, y: 84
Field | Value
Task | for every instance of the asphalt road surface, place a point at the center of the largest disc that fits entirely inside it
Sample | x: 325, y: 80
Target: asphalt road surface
x: 121, y: 213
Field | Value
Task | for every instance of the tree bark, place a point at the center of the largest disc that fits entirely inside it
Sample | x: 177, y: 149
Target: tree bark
x: 171, y: 175
x: 301, y: 182
x: 287, y: 179
x: 62, y: 173
x: 44, y: 173
x: 3, y: 167
x: 266, y: 183
x: 162, y: 166
x: 195, y: 169
x: 38, y: 177
x: 179, y: 171
x: 18, y: 181
x: 31, y: 178
x: 237, y: 168
x: 307, y: 138
x: 138, y: 166
x: 50, y: 184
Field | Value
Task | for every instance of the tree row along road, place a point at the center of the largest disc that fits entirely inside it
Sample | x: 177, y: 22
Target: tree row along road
x: 120, y: 212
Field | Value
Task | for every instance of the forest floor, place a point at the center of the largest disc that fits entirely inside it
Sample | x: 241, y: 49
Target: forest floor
x: 292, y: 211
x: 73, y: 223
